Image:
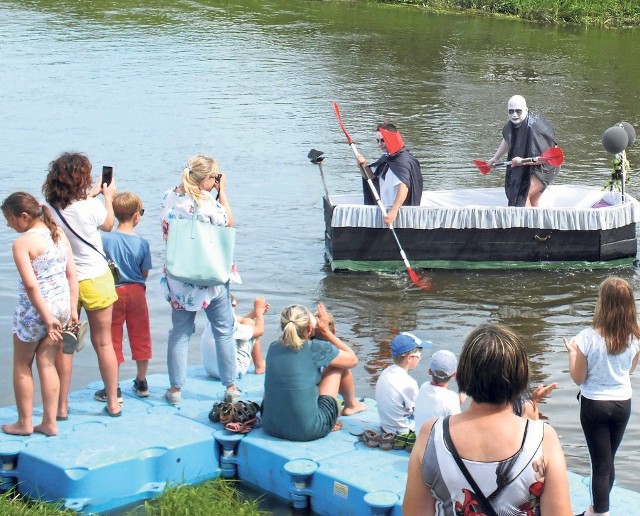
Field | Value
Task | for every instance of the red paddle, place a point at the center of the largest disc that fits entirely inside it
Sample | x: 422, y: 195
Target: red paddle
x: 553, y: 156
x: 423, y: 283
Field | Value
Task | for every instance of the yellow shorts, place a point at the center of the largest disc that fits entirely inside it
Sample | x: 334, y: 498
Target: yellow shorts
x: 97, y: 293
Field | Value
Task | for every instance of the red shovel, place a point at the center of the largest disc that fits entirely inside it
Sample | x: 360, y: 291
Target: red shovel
x: 553, y: 156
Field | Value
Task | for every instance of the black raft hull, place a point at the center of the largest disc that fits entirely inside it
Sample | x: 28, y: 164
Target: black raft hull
x: 573, y: 237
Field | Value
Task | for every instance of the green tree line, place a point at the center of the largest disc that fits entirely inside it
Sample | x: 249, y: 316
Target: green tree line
x: 605, y: 13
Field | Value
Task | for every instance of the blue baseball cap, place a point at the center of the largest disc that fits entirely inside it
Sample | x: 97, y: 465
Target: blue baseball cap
x: 404, y: 342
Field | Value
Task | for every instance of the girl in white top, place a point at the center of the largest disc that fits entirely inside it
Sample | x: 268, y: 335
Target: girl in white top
x: 600, y: 360
x: 517, y: 464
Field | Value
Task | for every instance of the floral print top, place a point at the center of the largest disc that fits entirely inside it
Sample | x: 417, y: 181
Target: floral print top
x: 185, y: 296
x: 514, y: 485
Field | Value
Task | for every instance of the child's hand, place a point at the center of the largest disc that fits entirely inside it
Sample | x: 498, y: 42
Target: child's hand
x: 260, y: 305
x: 54, y: 329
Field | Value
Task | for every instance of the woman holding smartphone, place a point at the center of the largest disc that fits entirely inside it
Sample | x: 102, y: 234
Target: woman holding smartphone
x: 76, y: 209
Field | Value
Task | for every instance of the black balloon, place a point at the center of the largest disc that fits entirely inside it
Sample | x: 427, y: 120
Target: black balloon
x: 631, y: 132
x: 615, y: 139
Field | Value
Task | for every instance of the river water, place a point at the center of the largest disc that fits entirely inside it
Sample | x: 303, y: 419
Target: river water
x: 144, y: 85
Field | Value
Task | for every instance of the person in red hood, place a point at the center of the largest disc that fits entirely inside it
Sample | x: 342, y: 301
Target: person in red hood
x: 396, y: 175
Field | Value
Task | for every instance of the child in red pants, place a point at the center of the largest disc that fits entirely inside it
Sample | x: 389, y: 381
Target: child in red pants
x: 131, y: 254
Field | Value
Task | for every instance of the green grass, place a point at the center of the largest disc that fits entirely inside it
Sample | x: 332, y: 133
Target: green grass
x: 606, y: 13
x: 218, y: 497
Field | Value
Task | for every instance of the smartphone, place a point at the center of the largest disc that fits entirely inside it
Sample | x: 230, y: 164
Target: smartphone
x: 107, y: 175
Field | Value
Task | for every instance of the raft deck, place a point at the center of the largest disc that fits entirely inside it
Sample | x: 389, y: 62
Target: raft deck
x: 97, y: 463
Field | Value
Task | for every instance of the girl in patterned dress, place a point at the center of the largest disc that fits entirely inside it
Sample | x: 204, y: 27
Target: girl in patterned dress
x: 47, y: 299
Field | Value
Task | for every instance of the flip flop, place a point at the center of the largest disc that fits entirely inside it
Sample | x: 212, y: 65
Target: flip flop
x: 112, y: 414
x: 81, y: 333
x: 386, y: 441
x: 69, y: 342
x: 370, y: 438
x: 214, y: 415
x: 62, y: 418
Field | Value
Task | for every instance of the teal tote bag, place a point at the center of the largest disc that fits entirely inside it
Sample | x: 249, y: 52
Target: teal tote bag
x: 198, y: 252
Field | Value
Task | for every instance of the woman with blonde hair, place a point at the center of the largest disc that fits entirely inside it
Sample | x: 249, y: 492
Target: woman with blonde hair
x: 300, y: 397
x: 198, y: 179
x: 487, y: 459
x: 601, y: 358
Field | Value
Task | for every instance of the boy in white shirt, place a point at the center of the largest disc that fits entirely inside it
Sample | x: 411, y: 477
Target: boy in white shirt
x: 434, y: 398
x: 396, y: 391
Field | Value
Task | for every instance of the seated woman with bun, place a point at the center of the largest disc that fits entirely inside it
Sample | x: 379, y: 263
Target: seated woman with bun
x: 306, y: 369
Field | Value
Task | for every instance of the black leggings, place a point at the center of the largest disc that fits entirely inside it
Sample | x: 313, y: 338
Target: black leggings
x: 603, y: 424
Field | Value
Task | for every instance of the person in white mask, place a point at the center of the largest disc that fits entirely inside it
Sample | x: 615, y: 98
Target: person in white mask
x: 527, y: 134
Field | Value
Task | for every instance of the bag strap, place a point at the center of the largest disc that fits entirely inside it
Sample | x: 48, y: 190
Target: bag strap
x: 482, y: 499
x: 79, y: 237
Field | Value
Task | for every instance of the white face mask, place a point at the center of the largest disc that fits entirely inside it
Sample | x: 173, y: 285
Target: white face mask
x: 517, y: 109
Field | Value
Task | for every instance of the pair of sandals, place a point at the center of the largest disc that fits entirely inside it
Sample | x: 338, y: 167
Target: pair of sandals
x: 372, y: 439
x: 239, y: 416
x: 404, y: 441
x: 74, y: 336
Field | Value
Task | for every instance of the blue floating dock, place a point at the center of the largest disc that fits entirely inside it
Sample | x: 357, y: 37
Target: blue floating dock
x: 97, y: 463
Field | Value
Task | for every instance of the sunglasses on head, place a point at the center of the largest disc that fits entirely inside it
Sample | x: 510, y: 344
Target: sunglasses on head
x: 512, y: 111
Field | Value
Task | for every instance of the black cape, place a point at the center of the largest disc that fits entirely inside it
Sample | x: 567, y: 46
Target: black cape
x: 534, y: 136
x: 405, y: 167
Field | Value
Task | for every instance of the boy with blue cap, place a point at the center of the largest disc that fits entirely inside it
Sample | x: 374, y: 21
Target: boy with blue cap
x: 396, y: 391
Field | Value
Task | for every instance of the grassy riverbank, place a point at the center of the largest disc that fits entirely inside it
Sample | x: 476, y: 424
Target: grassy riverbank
x: 214, y: 497
x: 604, y: 13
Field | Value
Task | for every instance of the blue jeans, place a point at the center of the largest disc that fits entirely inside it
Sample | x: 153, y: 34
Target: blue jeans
x: 220, y: 315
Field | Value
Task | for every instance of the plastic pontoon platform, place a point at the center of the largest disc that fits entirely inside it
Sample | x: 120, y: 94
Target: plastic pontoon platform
x: 97, y: 463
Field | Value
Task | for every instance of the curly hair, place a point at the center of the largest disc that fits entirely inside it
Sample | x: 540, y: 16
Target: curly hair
x: 68, y: 179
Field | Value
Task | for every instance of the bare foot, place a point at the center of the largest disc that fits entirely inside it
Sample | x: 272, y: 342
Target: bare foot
x: 337, y: 426
x: 354, y: 408
x: 261, y: 367
x: 48, y: 430
x: 17, y: 429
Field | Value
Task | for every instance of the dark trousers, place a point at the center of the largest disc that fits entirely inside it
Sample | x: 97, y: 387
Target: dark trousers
x: 603, y: 424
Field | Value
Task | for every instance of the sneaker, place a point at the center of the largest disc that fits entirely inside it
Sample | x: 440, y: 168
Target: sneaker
x: 173, y: 397
x: 141, y: 388
x: 101, y: 395
x: 230, y: 395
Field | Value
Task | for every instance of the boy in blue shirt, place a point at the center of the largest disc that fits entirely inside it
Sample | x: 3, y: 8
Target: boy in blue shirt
x: 131, y: 254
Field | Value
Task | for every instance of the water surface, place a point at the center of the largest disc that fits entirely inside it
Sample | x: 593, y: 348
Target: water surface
x: 143, y: 86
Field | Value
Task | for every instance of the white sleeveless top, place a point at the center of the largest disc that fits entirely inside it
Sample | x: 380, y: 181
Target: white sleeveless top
x: 520, y: 490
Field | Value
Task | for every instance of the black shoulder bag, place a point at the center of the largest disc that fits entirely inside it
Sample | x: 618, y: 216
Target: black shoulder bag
x: 112, y: 265
x: 485, y: 504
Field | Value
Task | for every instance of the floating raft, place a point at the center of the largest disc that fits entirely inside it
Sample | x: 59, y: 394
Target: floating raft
x: 575, y: 226
x: 97, y: 463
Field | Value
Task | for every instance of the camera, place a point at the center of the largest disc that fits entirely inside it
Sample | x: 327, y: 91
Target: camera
x: 218, y: 176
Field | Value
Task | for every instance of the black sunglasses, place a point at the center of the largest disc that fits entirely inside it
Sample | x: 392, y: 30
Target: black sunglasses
x: 141, y: 212
x: 512, y: 111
